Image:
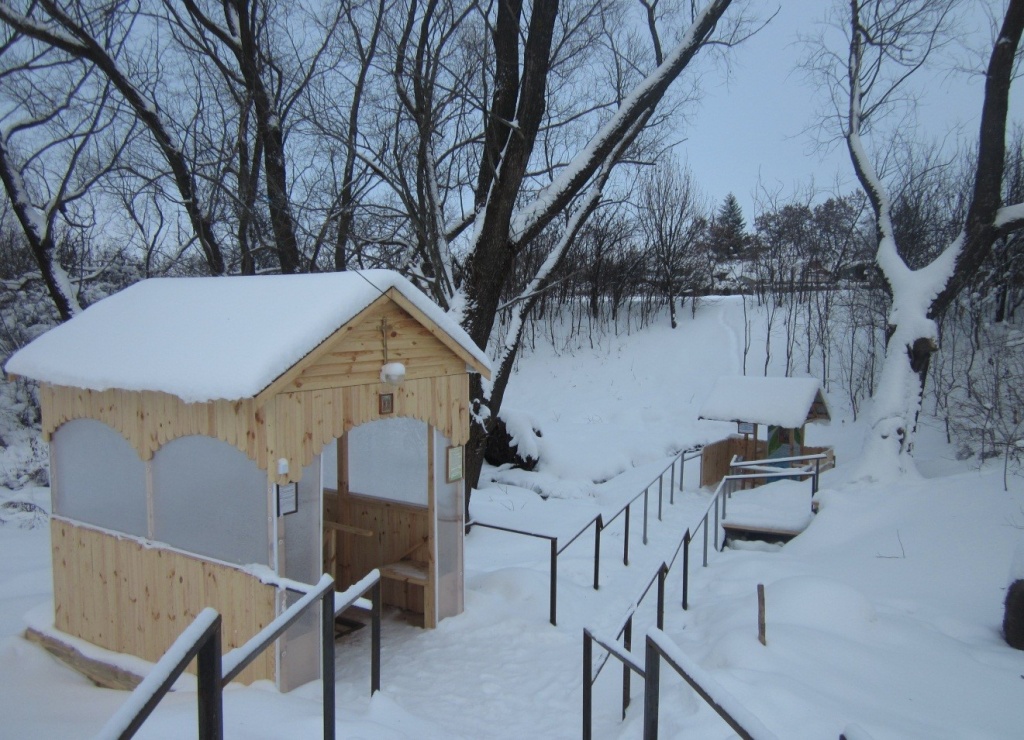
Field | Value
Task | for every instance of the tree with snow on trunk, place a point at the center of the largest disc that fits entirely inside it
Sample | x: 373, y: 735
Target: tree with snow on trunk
x: 889, y: 40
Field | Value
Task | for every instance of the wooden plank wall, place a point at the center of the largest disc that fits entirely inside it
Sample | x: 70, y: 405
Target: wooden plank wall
x: 715, y: 458
x: 356, y: 353
x: 294, y: 426
x: 300, y: 424
x: 149, y: 419
x: 121, y: 595
x: 403, y: 532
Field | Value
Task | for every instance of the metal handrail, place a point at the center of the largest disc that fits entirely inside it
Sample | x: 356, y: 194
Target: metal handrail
x: 202, y: 640
x: 623, y: 654
x: 815, y: 473
x: 601, y: 524
x: 626, y: 630
x: 555, y: 551
x: 659, y: 647
x: 795, y: 458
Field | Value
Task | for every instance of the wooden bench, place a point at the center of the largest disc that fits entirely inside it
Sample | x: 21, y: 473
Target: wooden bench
x: 406, y: 571
x: 408, y: 574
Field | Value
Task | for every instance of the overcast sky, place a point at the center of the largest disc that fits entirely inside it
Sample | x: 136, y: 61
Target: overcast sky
x: 751, y: 124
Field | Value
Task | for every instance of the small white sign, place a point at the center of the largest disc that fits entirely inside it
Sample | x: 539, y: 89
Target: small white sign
x: 287, y: 499
x: 455, y: 463
x: 745, y: 427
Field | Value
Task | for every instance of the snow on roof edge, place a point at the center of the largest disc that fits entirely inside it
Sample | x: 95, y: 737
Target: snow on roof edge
x: 205, y: 339
x: 776, y: 401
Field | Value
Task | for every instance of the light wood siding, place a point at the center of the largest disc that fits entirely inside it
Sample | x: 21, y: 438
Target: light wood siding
x: 148, y: 419
x: 120, y: 595
x: 355, y: 354
x: 402, y: 533
x: 293, y: 426
x: 300, y: 424
x: 715, y: 457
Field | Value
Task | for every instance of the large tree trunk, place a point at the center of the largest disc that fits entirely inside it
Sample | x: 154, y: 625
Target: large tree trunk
x: 920, y: 297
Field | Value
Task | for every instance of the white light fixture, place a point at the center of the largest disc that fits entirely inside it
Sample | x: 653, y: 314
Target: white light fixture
x: 393, y: 373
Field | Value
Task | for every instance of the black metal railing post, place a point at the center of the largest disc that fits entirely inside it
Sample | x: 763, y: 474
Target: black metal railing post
x: 553, y: 598
x: 588, y: 684
x: 716, y: 525
x: 661, y: 489
x: 627, y: 643
x: 724, y: 705
x: 625, y: 542
x: 598, y: 526
x: 646, y: 490
x: 672, y: 480
x: 662, y: 573
x: 652, y: 690
x: 327, y: 658
x: 705, y: 539
x: 686, y: 568
x: 376, y: 609
x: 210, y: 686
x: 817, y: 472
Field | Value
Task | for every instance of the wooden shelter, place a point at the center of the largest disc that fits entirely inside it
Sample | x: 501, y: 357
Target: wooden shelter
x: 783, y: 405
x: 210, y: 437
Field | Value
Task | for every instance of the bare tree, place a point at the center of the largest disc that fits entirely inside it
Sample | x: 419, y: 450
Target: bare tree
x: 672, y: 218
x: 57, y: 141
x: 99, y: 33
x: 889, y: 40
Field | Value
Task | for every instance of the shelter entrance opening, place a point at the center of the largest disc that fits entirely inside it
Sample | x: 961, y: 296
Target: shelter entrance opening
x: 388, y: 505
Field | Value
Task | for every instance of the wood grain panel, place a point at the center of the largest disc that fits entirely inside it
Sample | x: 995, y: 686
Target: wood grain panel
x: 121, y: 595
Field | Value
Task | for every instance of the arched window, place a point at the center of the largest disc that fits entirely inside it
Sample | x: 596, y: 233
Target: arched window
x: 97, y: 477
x: 210, y: 499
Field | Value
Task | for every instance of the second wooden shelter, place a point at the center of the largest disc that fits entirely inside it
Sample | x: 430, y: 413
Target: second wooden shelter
x: 783, y: 405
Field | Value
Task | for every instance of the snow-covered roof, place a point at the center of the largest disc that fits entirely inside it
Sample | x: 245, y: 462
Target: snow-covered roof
x: 203, y: 339
x: 784, y: 402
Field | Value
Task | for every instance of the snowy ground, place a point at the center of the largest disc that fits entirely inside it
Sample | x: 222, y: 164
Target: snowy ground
x: 884, y: 615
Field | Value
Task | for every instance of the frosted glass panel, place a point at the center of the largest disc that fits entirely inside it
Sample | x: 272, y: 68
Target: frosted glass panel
x: 98, y: 478
x: 388, y: 459
x: 302, y: 530
x: 448, y: 504
x: 330, y: 465
x: 299, y: 656
x: 210, y: 499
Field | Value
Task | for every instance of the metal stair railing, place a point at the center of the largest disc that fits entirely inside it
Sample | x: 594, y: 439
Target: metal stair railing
x: 202, y: 640
x: 661, y: 647
x: 600, y: 524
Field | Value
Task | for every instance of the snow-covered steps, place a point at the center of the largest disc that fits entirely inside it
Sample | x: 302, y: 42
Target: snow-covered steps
x: 775, y: 512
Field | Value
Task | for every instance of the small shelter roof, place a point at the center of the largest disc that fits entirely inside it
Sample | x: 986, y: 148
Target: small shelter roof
x: 203, y: 339
x: 783, y: 402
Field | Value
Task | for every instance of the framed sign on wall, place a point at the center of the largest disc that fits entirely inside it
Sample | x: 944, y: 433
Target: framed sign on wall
x: 287, y: 499
x: 455, y: 463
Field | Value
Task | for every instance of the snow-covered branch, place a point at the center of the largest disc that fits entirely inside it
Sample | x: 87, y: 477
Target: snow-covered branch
x: 642, y: 100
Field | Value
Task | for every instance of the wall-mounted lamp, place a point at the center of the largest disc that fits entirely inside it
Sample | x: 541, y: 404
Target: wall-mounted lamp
x: 393, y: 373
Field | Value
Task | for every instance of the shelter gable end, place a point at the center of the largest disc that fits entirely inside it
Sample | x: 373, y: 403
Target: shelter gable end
x: 356, y: 352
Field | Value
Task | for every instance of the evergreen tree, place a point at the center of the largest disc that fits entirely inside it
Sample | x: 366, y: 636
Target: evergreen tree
x: 728, y: 237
